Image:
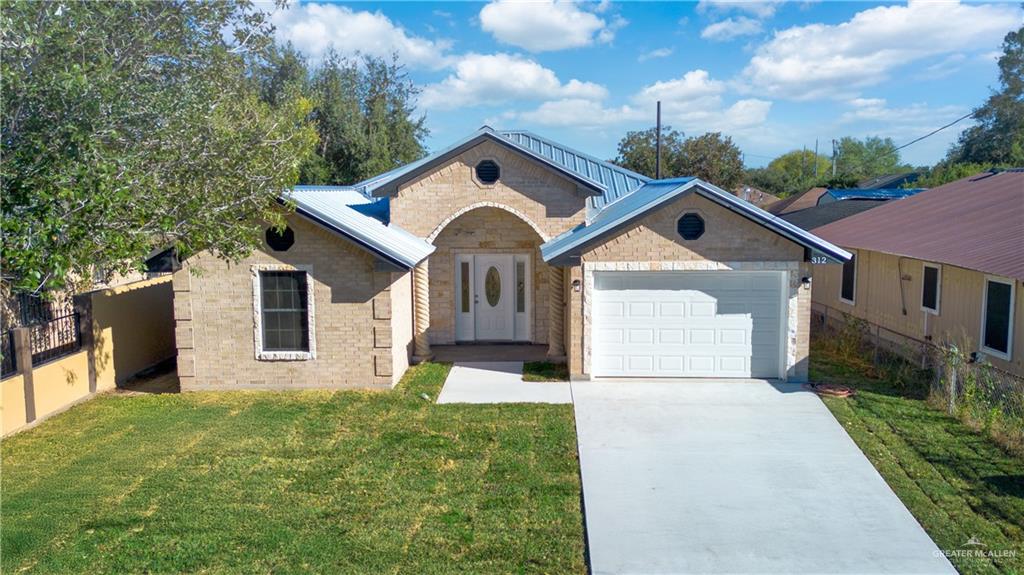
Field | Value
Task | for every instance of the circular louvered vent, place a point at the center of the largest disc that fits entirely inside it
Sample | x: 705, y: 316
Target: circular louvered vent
x: 280, y: 241
x: 488, y: 172
x: 690, y: 226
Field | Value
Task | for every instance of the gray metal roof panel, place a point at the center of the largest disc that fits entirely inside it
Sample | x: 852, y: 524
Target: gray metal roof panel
x: 337, y: 208
x: 657, y: 192
x: 618, y: 180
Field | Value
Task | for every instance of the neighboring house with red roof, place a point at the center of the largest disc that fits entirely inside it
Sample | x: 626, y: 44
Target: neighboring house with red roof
x: 943, y: 265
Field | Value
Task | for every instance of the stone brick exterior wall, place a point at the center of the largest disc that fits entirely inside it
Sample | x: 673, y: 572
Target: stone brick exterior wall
x: 730, y: 242
x: 354, y: 308
x: 483, y: 230
x: 528, y: 205
x: 542, y: 195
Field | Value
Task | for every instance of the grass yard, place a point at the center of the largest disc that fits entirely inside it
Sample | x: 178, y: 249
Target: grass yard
x: 545, y: 371
x: 344, y: 482
x: 958, y: 483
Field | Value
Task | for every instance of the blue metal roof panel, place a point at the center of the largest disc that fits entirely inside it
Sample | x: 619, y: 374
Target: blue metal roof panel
x: 873, y: 193
x: 657, y: 192
x: 618, y: 180
x: 345, y: 210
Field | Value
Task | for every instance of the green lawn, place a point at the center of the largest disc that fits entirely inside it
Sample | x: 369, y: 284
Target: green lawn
x: 956, y: 482
x: 545, y: 371
x: 346, y: 482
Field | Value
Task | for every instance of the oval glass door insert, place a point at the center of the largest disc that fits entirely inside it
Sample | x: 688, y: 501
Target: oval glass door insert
x: 492, y: 286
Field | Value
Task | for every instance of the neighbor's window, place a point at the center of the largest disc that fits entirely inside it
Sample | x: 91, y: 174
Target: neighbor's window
x: 997, y: 318
x: 932, y: 278
x: 285, y: 310
x: 488, y: 172
x: 848, y: 289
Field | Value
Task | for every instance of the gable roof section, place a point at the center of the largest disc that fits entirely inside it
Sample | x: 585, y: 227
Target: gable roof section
x: 803, y: 200
x: 810, y: 218
x: 618, y: 181
x: 352, y: 215
x: 389, y: 182
x: 654, y: 194
x: 975, y: 223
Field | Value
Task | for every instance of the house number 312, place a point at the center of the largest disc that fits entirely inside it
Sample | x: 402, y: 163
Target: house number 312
x: 819, y: 259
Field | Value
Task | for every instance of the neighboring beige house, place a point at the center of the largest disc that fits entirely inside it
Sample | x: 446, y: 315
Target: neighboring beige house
x: 944, y: 265
x: 504, y: 237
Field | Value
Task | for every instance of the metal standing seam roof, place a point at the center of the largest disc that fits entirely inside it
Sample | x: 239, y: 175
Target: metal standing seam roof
x: 657, y: 192
x: 617, y: 180
x: 378, y: 185
x: 351, y: 214
x: 976, y: 223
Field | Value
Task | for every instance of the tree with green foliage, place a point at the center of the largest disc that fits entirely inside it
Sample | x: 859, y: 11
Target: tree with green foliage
x: 868, y: 158
x: 711, y: 157
x: 637, y: 151
x: 129, y: 126
x: 998, y: 136
x: 790, y: 173
x: 943, y: 173
x: 364, y: 112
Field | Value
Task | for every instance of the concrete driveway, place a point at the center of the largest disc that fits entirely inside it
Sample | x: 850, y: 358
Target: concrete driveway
x: 734, y: 477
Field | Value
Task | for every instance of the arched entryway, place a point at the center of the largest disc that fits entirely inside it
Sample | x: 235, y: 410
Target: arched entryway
x: 487, y: 281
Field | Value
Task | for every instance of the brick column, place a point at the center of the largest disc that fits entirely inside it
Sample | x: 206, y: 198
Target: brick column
x: 556, y: 313
x: 421, y: 298
x: 87, y: 333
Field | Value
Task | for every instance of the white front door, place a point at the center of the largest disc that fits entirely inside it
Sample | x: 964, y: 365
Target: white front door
x: 493, y: 299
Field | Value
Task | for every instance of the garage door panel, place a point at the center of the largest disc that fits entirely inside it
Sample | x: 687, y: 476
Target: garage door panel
x: 687, y: 324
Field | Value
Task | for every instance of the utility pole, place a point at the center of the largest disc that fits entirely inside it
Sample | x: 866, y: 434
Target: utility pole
x: 803, y: 162
x: 657, y: 146
x: 815, y: 161
x: 833, y: 159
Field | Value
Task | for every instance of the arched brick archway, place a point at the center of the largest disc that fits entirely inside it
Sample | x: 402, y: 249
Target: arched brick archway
x: 444, y: 223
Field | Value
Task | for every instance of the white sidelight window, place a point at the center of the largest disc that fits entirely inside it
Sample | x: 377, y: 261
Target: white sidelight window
x: 997, y: 317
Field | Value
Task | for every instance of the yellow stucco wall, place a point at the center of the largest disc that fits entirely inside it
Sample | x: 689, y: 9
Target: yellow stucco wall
x: 12, y: 395
x: 133, y: 326
x: 57, y: 385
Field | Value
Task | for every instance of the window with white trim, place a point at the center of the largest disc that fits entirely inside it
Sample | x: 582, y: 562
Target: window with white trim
x: 931, y: 288
x: 848, y: 284
x: 284, y: 311
x: 997, y: 317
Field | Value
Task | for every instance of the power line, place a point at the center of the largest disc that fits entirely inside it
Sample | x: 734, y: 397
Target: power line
x: 914, y: 141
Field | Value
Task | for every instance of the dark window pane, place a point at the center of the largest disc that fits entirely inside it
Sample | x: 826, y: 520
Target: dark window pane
x: 285, y: 311
x: 930, y: 294
x: 464, y: 270
x: 520, y: 287
x: 997, y: 316
x: 849, y: 278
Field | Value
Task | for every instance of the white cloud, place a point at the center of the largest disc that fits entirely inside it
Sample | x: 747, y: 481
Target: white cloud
x: 819, y: 60
x: 547, y: 25
x: 315, y: 28
x: 692, y: 103
x: 757, y: 9
x: 489, y: 79
x: 731, y: 28
x: 653, y: 54
x: 874, y: 117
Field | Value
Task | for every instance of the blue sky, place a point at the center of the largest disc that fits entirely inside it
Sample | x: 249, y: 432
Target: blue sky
x: 773, y: 75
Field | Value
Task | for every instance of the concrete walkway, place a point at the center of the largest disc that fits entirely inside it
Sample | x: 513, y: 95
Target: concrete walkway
x: 734, y: 477
x: 498, y: 382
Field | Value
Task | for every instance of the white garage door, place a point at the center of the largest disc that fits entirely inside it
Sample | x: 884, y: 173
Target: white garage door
x: 687, y: 324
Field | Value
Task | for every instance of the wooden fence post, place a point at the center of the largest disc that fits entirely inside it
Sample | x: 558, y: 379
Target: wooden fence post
x: 22, y: 337
x: 952, y: 389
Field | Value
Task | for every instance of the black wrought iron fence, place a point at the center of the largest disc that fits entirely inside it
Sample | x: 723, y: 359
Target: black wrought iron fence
x: 9, y: 363
x: 56, y: 338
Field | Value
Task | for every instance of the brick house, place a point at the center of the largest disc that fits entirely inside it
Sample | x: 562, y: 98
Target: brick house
x: 504, y: 237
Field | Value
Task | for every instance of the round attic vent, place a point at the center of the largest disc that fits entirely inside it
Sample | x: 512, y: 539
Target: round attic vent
x: 280, y: 241
x: 690, y: 226
x: 488, y: 172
